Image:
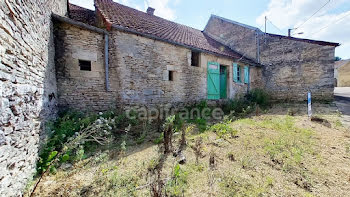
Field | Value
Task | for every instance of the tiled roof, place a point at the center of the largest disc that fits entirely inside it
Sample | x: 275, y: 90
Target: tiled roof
x: 81, y: 14
x: 154, y: 26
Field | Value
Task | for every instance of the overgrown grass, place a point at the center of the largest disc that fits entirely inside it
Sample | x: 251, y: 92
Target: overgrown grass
x: 235, y: 185
x: 289, y: 145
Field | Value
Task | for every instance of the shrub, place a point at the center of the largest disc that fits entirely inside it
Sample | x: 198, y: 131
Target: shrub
x: 260, y: 97
x: 177, y: 185
x: 73, y: 134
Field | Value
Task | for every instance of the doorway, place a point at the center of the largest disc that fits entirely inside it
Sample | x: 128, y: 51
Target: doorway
x: 223, y: 82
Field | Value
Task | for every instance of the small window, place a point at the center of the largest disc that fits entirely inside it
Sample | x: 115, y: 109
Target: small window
x: 195, y: 59
x: 85, y: 65
x: 171, y: 75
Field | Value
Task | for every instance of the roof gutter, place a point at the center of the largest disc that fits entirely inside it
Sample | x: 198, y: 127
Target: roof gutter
x: 121, y: 28
x: 94, y: 29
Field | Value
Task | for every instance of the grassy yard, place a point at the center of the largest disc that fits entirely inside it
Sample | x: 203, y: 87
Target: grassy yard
x: 265, y: 154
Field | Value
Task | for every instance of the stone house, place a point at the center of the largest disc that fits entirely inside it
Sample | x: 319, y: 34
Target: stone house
x: 342, y: 73
x: 56, y: 55
x: 151, y: 61
x: 291, y: 66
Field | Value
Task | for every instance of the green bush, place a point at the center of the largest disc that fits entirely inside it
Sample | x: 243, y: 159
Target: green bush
x: 178, y: 183
x: 260, y: 97
x: 64, y: 128
x: 70, y: 126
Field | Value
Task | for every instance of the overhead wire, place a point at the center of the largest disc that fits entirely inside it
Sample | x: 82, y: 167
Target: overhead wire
x: 329, y: 24
x: 312, y: 15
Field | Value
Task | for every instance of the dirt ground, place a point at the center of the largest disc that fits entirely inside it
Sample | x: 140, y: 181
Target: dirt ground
x: 275, y: 153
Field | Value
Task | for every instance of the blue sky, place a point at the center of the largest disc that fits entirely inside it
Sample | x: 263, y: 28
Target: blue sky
x: 331, y: 23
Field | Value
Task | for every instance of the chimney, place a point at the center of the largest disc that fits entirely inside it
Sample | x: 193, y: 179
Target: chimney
x: 150, y: 11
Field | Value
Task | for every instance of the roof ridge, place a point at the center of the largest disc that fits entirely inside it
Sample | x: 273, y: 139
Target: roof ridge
x: 134, y: 21
x: 81, y: 7
x: 155, y: 16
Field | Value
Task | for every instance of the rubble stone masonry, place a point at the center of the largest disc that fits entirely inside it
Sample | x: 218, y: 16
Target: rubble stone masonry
x: 139, y: 70
x: 291, y: 67
x: 27, y: 86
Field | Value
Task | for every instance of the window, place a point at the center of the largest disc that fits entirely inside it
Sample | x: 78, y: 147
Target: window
x: 171, y: 75
x: 195, y: 59
x: 85, y: 65
x: 237, y: 73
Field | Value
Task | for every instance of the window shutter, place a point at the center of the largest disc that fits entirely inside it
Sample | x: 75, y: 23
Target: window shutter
x: 246, y: 74
x: 235, y: 78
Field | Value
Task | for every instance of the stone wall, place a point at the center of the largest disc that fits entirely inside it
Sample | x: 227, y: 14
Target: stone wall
x: 139, y: 72
x: 291, y: 67
x: 27, y: 86
x: 343, y: 77
x: 240, y: 37
x: 79, y: 89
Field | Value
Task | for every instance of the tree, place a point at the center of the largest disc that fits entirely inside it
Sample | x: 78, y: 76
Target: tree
x: 337, y: 58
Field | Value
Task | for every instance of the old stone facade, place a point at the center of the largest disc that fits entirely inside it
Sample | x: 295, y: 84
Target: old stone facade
x: 291, y: 66
x: 79, y: 89
x: 138, y: 71
x: 27, y: 86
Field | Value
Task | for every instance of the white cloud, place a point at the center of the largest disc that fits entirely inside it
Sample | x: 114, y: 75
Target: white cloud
x: 293, y: 13
x: 162, y: 8
x: 84, y: 3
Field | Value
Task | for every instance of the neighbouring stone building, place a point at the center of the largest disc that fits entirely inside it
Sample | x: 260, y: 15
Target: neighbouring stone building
x: 291, y: 66
x: 56, y: 55
x: 342, y: 73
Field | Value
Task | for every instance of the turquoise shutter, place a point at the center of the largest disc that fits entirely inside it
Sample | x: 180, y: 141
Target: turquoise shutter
x: 246, y: 74
x: 213, y: 80
x: 235, y: 78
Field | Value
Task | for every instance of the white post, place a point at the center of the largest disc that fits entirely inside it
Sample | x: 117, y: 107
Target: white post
x: 309, y: 109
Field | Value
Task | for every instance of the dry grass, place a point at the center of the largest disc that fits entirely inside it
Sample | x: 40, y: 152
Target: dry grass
x: 272, y: 154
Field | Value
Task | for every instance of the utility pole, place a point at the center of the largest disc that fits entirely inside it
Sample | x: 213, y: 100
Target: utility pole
x: 265, y: 23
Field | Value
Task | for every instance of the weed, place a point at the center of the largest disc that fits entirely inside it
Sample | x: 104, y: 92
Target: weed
x: 123, y: 184
x: 224, y: 130
x: 197, y: 148
x: 201, y: 124
x: 338, y: 124
x: 270, y: 181
x: 233, y: 185
x: 160, y: 139
x: 290, y: 145
x: 178, y: 183
x: 247, y: 162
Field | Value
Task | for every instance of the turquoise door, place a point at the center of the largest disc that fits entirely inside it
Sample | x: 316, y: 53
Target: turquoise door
x: 223, y: 82
x: 213, y: 80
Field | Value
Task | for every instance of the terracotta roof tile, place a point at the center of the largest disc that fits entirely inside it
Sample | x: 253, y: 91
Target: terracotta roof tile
x: 82, y: 14
x: 143, y: 23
